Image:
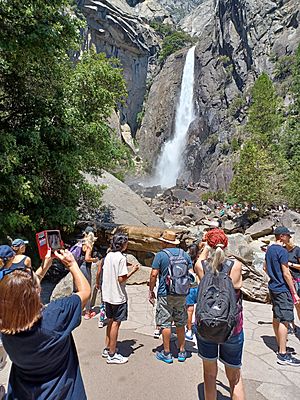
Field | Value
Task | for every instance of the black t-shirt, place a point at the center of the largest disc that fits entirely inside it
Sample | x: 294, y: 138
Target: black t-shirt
x: 294, y: 257
x: 45, y: 362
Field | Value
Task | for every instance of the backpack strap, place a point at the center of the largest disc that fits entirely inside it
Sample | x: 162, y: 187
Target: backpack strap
x: 205, y: 266
x: 227, y: 266
x: 167, y: 252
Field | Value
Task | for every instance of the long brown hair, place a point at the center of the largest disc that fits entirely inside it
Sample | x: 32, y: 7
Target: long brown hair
x: 20, y: 303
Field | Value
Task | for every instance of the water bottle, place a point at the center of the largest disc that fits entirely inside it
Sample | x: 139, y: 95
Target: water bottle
x: 102, y: 316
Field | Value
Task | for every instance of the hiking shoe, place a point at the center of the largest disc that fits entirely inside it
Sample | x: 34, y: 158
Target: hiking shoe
x: 287, y: 359
x: 289, y: 350
x: 116, y: 359
x: 100, y: 324
x: 161, y: 356
x: 182, y: 356
x: 156, y: 334
x: 105, y: 352
x: 189, y: 335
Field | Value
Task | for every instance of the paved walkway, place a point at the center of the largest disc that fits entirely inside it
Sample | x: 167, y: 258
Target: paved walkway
x: 146, y: 378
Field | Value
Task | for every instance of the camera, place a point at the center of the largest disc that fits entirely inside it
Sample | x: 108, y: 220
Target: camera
x: 49, y: 239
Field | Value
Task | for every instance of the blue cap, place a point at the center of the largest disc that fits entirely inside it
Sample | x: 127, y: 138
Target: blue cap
x: 19, y: 242
x: 282, y: 230
x: 6, y: 252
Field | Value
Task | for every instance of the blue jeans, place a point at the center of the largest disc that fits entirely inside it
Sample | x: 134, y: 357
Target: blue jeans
x: 229, y: 353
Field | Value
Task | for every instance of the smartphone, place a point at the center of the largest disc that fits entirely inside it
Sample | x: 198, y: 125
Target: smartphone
x: 48, y: 240
x: 54, y: 240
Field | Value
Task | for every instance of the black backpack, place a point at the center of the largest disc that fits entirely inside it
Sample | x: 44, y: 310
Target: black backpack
x: 216, y: 310
x: 178, y: 281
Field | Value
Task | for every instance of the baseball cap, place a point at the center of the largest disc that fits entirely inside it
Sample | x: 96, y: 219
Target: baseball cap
x: 282, y: 230
x: 6, y: 252
x: 89, y: 229
x: 19, y: 242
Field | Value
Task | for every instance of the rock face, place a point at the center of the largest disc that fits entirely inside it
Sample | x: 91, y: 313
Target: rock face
x: 237, y: 41
x: 125, y: 206
x: 117, y: 30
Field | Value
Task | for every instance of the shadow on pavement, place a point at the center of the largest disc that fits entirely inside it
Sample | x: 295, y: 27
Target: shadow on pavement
x: 220, y: 396
x: 126, y: 347
x: 270, y: 342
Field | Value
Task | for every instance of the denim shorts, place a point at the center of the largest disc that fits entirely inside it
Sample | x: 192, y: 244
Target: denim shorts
x: 191, y: 298
x: 229, y: 353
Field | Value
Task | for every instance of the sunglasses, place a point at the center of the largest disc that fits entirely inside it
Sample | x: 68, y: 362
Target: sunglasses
x: 6, y: 271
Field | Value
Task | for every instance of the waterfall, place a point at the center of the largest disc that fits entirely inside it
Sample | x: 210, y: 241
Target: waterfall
x: 170, y: 161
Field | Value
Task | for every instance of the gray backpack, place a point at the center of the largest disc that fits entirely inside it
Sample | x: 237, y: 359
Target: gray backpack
x: 216, y: 310
x: 178, y: 281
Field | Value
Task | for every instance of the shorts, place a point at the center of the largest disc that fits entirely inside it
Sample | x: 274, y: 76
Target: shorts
x: 283, y: 306
x: 229, y: 353
x: 116, y: 312
x: 171, y: 309
x: 191, y: 298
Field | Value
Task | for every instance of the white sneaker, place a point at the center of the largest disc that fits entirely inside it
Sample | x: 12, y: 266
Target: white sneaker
x: 116, y: 359
x: 105, y: 352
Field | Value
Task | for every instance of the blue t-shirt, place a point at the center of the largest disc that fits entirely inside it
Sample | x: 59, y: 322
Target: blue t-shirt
x: 276, y: 255
x: 161, y: 262
x: 44, y: 359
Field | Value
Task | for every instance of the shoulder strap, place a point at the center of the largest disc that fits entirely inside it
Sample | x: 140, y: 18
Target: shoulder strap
x: 168, y: 253
x: 227, y: 266
x: 181, y: 253
x: 205, y: 266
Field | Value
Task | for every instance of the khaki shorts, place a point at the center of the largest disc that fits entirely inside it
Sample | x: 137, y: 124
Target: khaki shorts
x: 171, y: 309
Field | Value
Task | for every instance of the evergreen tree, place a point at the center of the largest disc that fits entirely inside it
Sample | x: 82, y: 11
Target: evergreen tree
x: 53, y: 116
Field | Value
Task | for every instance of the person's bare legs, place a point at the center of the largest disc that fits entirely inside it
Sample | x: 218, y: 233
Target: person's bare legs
x: 235, y: 382
x: 210, y: 371
x: 166, y: 335
x: 180, y: 337
x: 297, y: 306
x: 113, y: 336
x: 282, y: 337
x: 190, y: 311
x: 107, y: 337
x: 275, y: 328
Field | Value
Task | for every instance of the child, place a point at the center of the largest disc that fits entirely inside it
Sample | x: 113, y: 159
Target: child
x: 115, y: 275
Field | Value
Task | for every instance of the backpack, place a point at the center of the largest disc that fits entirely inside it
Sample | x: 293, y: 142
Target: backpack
x: 76, y: 250
x: 216, y: 309
x: 178, y: 281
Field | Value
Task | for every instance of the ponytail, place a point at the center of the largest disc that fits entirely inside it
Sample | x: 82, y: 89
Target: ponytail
x: 216, y: 258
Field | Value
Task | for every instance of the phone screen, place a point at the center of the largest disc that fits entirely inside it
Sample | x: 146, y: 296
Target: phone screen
x: 54, y: 240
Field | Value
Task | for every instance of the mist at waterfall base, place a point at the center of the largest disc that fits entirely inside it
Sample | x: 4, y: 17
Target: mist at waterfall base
x: 170, y: 161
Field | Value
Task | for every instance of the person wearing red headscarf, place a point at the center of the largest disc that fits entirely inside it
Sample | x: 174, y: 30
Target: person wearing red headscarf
x: 230, y: 352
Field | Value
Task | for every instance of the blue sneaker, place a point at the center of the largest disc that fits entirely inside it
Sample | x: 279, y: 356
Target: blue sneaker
x: 189, y: 335
x: 160, y: 355
x: 182, y: 356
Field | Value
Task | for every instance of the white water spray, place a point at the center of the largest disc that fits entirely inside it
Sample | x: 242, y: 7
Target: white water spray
x: 170, y: 161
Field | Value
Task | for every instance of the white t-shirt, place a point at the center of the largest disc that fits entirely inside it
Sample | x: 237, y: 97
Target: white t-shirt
x: 114, y: 266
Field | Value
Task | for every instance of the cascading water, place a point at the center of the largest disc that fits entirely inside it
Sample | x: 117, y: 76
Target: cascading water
x: 170, y: 161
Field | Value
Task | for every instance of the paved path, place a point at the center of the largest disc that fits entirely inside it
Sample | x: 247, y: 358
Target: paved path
x: 146, y: 378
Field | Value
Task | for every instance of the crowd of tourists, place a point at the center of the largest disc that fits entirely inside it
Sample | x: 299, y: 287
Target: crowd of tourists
x: 203, y: 283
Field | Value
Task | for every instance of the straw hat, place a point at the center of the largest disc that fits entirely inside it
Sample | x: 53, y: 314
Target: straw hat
x: 169, y: 237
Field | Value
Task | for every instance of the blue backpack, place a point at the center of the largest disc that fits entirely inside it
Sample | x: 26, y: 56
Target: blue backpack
x: 178, y: 280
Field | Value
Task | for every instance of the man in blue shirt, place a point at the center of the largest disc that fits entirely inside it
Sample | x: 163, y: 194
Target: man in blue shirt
x: 170, y: 307
x: 282, y: 292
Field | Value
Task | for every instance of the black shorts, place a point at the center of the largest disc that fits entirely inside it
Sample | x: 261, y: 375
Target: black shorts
x: 116, y: 312
x: 283, y: 306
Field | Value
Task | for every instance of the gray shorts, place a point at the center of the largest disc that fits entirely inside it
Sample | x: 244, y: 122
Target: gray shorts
x: 171, y: 309
x: 283, y: 306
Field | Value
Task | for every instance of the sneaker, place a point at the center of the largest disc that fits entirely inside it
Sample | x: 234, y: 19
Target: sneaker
x: 287, y: 359
x: 156, y: 334
x: 289, y: 350
x: 116, y: 359
x: 290, y: 330
x: 100, y: 324
x: 167, y: 358
x: 189, y: 335
x: 182, y: 356
x: 105, y: 352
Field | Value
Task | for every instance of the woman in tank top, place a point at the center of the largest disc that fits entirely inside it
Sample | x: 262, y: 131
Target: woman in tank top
x: 19, y: 247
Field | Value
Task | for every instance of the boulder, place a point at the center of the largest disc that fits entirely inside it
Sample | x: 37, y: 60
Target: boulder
x: 261, y: 228
x: 291, y: 219
x: 230, y: 226
x: 184, y: 195
x: 239, y: 246
x: 255, y: 284
x: 125, y: 206
x: 194, y: 212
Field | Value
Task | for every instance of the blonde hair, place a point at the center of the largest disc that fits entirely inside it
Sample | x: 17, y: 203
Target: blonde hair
x: 89, y: 239
x: 216, y: 257
x: 20, y: 303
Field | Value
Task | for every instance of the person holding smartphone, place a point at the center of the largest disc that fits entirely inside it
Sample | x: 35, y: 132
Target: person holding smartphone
x: 39, y: 339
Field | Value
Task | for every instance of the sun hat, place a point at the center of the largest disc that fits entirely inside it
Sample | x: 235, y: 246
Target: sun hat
x: 169, y: 237
x: 282, y: 230
x: 6, y: 252
x: 19, y: 242
x: 216, y: 238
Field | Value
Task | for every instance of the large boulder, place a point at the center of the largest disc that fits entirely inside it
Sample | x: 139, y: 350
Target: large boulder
x: 261, y: 228
x: 291, y: 219
x: 194, y: 212
x: 126, y: 207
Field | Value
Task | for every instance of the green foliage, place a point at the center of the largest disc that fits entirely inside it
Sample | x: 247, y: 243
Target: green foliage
x: 264, y: 117
x: 235, y: 144
x: 173, y: 42
x: 53, y: 116
x: 236, y: 105
x: 219, y: 195
x: 284, y: 67
x: 139, y: 117
x: 162, y: 29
